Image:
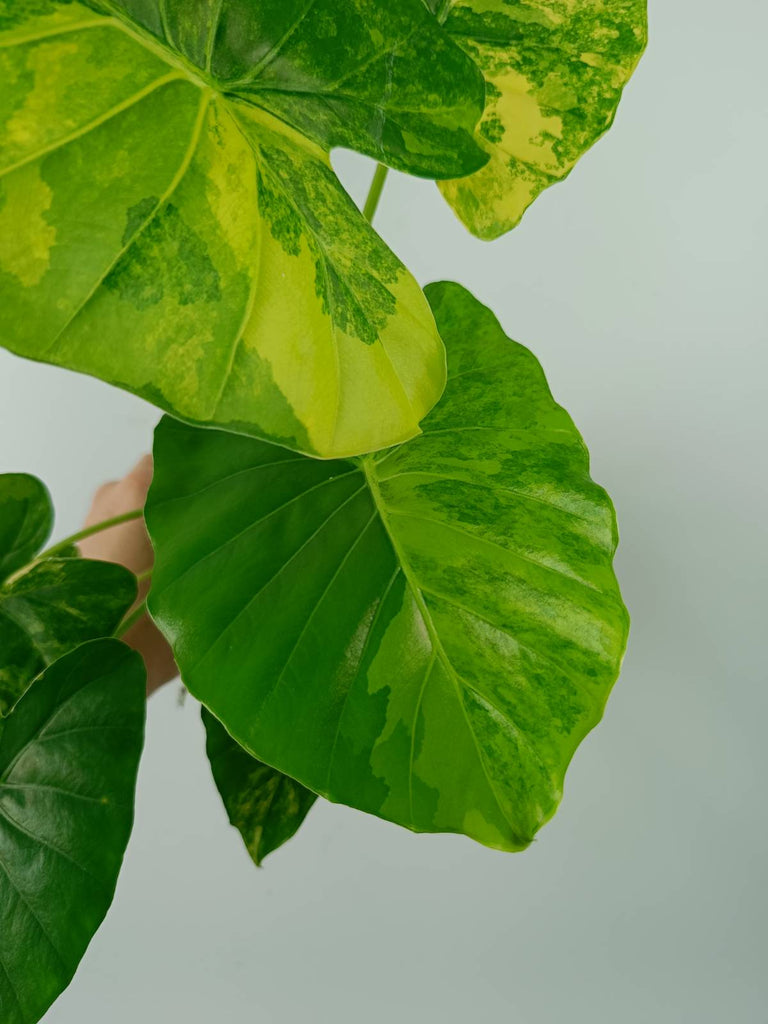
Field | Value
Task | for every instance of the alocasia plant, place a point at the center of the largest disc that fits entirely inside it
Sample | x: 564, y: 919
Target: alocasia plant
x: 387, y: 586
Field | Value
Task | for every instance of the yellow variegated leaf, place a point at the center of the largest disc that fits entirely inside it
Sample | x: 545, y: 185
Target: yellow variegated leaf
x: 554, y: 72
x: 427, y: 633
x: 170, y: 222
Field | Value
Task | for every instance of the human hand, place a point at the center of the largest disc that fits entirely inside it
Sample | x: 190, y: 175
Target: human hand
x: 128, y: 544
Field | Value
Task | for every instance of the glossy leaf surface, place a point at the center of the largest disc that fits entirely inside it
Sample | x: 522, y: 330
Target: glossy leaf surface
x: 56, y: 604
x: 427, y: 633
x: 265, y: 806
x: 53, y: 608
x: 554, y: 74
x: 169, y: 218
x: 69, y: 754
x: 26, y: 520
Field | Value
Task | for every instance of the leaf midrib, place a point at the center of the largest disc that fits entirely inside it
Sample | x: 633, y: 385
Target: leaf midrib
x: 369, y: 469
x: 189, y: 156
x: 116, y: 19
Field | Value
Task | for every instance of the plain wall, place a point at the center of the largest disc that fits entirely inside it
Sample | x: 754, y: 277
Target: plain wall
x: 640, y: 284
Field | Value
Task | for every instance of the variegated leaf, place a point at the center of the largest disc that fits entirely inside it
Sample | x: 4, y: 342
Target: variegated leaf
x: 264, y: 805
x: 48, y: 607
x: 554, y: 73
x: 426, y: 633
x: 170, y: 222
x: 51, y: 609
x: 26, y: 520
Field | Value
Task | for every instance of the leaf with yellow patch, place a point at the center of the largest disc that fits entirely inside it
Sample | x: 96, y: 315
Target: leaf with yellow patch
x: 554, y: 72
x: 170, y: 221
x: 425, y: 633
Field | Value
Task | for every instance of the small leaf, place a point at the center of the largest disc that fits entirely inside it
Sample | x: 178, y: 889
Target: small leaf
x: 53, y: 608
x: 170, y: 221
x: 54, y: 605
x: 427, y: 633
x: 554, y: 73
x: 69, y: 754
x: 72, y: 551
x: 265, y: 806
x: 26, y: 520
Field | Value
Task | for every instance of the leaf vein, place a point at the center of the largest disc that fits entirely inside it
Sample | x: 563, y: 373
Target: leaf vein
x: 275, y: 575
x: 302, y: 633
x: 230, y: 540
x: 177, y: 179
x: 494, y: 544
x: 95, y: 123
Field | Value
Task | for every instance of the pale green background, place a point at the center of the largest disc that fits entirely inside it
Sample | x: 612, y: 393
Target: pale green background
x: 641, y: 286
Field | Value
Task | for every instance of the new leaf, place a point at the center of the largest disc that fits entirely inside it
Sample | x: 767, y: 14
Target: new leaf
x: 427, y: 633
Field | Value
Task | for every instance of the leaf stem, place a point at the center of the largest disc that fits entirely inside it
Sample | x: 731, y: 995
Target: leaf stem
x: 374, y: 193
x: 89, y: 531
x: 131, y: 619
x: 443, y: 11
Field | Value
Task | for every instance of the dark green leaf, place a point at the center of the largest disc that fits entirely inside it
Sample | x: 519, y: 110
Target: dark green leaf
x: 554, y: 74
x: 427, y: 633
x: 54, y: 605
x: 26, y: 520
x: 265, y: 806
x: 169, y: 218
x: 69, y: 754
x: 53, y: 608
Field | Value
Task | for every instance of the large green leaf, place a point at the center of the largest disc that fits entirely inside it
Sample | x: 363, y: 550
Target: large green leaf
x: 426, y: 633
x: 265, y: 806
x: 69, y: 754
x: 55, y: 604
x: 169, y: 218
x: 554, y: 74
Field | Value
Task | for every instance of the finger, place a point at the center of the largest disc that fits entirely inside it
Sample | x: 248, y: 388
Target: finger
x: 142, y: 472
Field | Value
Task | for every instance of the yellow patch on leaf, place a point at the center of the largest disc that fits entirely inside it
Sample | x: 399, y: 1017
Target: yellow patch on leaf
x: 26, y: 254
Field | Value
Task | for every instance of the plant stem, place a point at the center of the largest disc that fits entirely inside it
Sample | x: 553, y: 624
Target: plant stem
x: 89, y: 531
x: 444, y: 10
x: 374, y: 194
x: 131, y: 619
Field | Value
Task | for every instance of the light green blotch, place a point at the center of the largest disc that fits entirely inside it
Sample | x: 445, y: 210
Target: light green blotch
x: 26, y: 237
x: 406, y: 642
x: 476, y: 824
x: 53, y: 72
x: 22, y: 18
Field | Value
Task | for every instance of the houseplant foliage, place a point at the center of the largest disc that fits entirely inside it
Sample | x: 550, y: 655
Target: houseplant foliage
x: 266, y: 806
x: 192, y: 140
x: 425, y: 633
x: 69, y: 753
x: 381, y: 562
x: 50, y: 604
x: 554, y: 72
